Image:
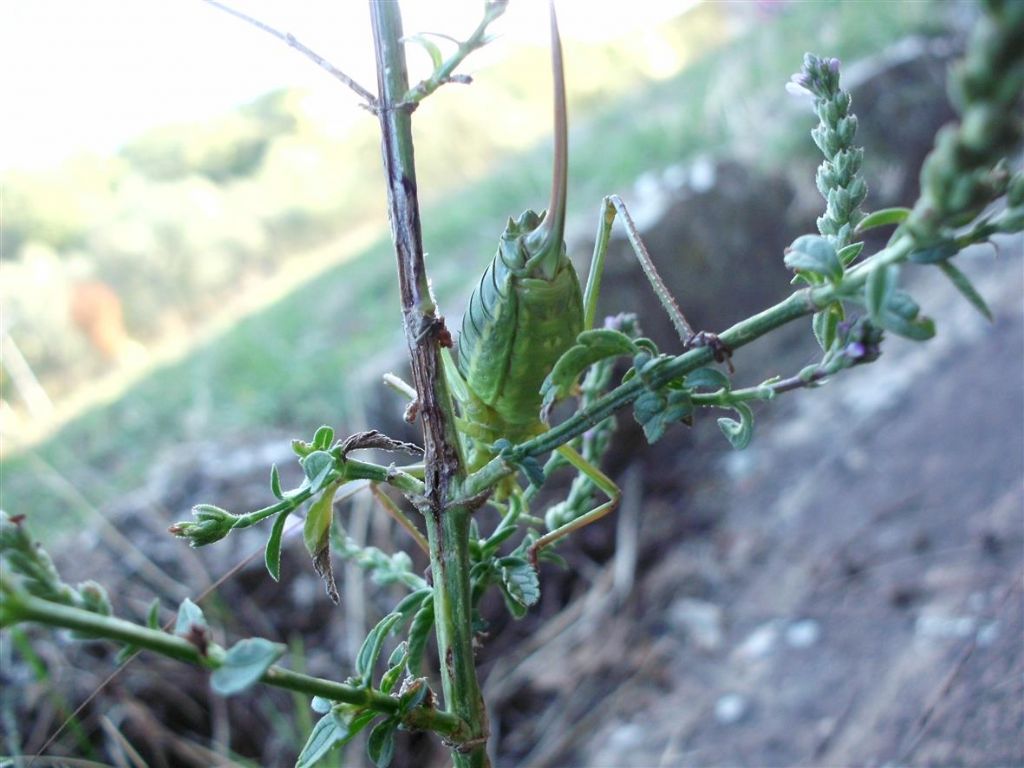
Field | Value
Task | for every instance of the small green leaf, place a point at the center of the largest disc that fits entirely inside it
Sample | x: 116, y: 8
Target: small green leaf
x: 709, y: 379
x: 316, y: 533
x: 739, y: 432
x: 815, y: 254
x: 323, y: 438
x: 591, y: 346
x: 966, y: 288
x: 916, y: 329
x: 153, y: 614
x: 275, y: 482
x: 189, y: 615
x: 878, y: 289
x: 396, y: 664
x: 327, y: 732
x: 371, y: 647
x: 272, y: 554
x: 317, y: 466
x: 419, y: 634
x: 825, y: 323
x: 430, y: 47
x: 244, y: 664
x: 882, y: 217
x: 381, y: 744
x: 850, y: 253
x: 934, y: 254
x: 520, y: 580
x: 413, y: 602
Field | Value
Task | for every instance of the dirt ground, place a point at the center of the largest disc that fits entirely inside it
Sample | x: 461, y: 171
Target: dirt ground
x: 857, y: 599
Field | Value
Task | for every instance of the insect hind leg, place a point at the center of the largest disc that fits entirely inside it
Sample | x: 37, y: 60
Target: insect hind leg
x: 602, y: 481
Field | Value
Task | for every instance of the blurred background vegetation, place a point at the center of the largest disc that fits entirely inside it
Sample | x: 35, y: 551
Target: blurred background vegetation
x: 231, y: 278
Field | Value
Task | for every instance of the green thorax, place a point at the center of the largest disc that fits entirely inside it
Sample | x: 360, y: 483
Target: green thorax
x: 525, y: 313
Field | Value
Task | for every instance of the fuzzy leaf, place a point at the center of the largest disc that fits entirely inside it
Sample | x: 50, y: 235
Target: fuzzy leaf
x: 849, y: 254
x: 520, y: 580
x: 707, y: 378
x: 591, y: 346
x: 934, y: 254
x: 189, y: 615
x: 381, y: 744
x: 966, y: 288
x: 815, y: 254
x: 371, y: 647
x: 323, y: 438
x: 739, y: 432
x: 244, y: 664
x: 316, y: 533
x: 878, y: 289
x: 419, y: 634
x: 272, y: 553
x: 317, y: 466
x: 882, y: 218
x: 275, y: 482
x: 412, y: 602
x: 430, y: 47
x: 321, y: 705
x: 327, y: 732
x: 825, y: 323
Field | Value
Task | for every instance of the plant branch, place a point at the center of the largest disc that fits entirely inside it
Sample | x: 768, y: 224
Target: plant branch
x: 23, y: 607
x: 443, y: 74
x: 289, y: 39
x: 447, y: 526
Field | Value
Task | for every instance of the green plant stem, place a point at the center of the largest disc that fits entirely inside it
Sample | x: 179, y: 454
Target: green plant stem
x: 447, y: 525
x: 443, y: 73
x: 798, y: 304
x: 23, y: 607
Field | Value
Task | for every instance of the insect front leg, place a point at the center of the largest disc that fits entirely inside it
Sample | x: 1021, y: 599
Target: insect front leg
x: 602, y: 481
x: 612, y: 206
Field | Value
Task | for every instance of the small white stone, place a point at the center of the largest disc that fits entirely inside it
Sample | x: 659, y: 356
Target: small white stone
x: 760, y: 642
x: 730, y: 708
x: 987, y: 634
x: 935, y: 625
x: 702, y: 621
x: 803, y: 633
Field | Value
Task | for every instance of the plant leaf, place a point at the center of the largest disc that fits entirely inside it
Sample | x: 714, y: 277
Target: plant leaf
x: 739, y: 432
x: 316, y: 532
x: 189, y: 615
x: 520, y: 580
x: 317, y: 466
x: 849, y: 254
x: 882, y: 217
x: 371, y: 647
x: 272, y: 554
x: 966, y: 288
x: 275, y: 482
x: 591, y: 346
x: 419, y: 634
x: 878, y: 289
x: 327, y: 732
x: 244, y: 664
x: 381, y: 744
x: 815, y: 254
x: 323, y: 438
x: 707, y: 378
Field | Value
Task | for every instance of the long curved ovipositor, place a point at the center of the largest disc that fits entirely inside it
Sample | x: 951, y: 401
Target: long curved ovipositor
x: 526, y: 311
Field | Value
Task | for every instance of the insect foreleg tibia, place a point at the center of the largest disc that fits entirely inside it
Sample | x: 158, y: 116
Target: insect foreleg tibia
x: 602, y: 481
x: 613, y: 204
